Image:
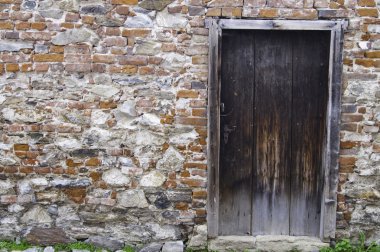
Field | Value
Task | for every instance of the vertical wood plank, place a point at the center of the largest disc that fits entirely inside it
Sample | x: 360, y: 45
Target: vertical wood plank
x: 213, y: 129
x: 309, y: 107
x: 235, y: 178
x: 272, y: 121
x: 328, y: 222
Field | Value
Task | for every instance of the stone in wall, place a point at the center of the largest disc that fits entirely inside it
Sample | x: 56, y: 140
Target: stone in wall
x: 104, y: 242
x: 155, y: 4
x: 114, y: 177
x: 47, y: 236
x: 14, y: 46
x: 36, y: 215
x: 139, y: 21
x: 75, y: 36
x: 132, y: 198
x: 153, y: 179
x: 165, y: 19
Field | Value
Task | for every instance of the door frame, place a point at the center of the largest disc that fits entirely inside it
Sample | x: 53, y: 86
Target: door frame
x: 332, y: 141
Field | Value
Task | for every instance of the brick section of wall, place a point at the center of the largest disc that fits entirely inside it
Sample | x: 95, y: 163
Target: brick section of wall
x: 103, y: 115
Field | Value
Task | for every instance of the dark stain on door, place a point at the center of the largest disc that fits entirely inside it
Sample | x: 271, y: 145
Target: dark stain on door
x: 274, y: 94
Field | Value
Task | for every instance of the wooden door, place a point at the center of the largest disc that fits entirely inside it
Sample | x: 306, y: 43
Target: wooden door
x: 274, y: 89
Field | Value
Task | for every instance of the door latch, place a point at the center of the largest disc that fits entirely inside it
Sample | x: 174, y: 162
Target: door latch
x: 226, y: 132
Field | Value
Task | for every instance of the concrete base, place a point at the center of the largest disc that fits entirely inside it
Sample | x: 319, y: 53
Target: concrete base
x: 232, y: 243
x: 266, y: 243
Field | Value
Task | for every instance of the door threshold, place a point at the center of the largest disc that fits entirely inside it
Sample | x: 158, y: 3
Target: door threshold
x: 266, y: 243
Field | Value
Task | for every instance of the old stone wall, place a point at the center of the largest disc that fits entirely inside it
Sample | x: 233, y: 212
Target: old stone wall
x: 103, y: 116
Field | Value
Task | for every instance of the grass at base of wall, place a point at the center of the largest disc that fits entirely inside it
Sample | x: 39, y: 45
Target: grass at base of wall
x: 9, y: 245
x: 346, y: 245
x: 20, y: 246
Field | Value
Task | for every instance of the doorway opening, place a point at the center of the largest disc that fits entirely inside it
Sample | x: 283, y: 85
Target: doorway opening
x: 274, y: 102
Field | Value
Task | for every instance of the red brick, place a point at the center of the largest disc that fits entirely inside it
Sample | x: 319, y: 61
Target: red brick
x: 98, y: 68
x: 182, y: 206
x: 6, y: 26
x: 10, y: 169
x: 145, y: 70
x: 57, y: 170
x: 41, y: 67
x: 28, y: 67
x: 347, y: 118
x: 22, y: 26
x: 67, y: 25
x: 194, y: 182
x: 20, y: 154
x: 76, y: 194
x: 368, y: 12
x: 372, y: 54
x: 80, y: 68
x: 107, y: 104
x: 154, y: 60
x: 26, y: 169
x: 214, y: 12
x: 72, y: 17
x: 135, y: 32
x: 353, y: 127
x: 367, y: 3
x: 56, y: 49
x: 72, y: 163
x: 102, y: 58
x: 38, y: 26
x: 71, y: 171
x: 200, y: 194
x: 4, y: 15
x: 115, y: 41
x: 348, y: 144
x: 30, y: 162
x: 268, y: 13
x: 8, y: 199
x: 187, y: 94
x: 168, y: 47
x: 48, y: 57
x: 231, y: 12
x: 195, y: 165
x: 111, y: 31
x: 127, y: 69
x: 122, y: 10
x: 12, y: 67
x: 93, y: 162
x: 32, y: 154
x: 347, y: 160
x: 21, y: 147
x: 88, y: 19
x: 195, y: 121
x: 201, y: 112
x: 77, y: 49
x: 95, y: 176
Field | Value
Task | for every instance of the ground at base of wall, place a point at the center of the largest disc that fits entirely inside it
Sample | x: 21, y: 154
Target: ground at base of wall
x: 223, y: 243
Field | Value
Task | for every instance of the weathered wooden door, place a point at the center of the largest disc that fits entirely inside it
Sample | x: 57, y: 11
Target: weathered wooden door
x: 274, y: 93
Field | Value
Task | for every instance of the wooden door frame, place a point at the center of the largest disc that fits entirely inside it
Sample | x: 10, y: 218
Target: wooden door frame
x: 332, y: 141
